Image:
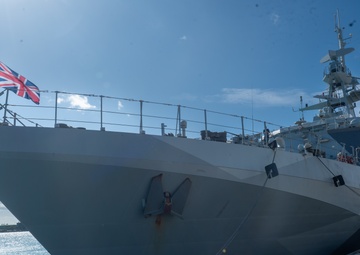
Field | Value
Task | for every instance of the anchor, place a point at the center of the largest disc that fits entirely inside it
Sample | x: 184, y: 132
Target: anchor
x: 159, y: 202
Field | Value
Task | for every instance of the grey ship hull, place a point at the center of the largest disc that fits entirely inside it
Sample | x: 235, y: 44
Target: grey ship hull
x: 81, y: 192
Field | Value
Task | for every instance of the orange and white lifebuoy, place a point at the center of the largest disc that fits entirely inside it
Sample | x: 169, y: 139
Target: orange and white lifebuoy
x: 349, y: 160
x: 343, y: 158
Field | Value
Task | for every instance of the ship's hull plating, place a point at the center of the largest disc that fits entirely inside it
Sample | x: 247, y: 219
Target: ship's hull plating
x: 82, y: 192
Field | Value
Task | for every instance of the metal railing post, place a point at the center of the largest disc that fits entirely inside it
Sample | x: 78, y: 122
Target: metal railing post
x: 6, y: 104
x: 56, y: 102
x: 101, y: 113
x: 242, y: 130
x: 141, y: 117
x: 178, y: 121
x: 206, y: 129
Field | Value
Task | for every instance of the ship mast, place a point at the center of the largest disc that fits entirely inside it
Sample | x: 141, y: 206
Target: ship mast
x: 342, y: 44
x: 339, y: 79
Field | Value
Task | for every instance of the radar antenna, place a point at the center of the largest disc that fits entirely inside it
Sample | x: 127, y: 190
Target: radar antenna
x: 342, y: 51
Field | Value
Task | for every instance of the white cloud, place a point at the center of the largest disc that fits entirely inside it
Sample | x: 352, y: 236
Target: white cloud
x: 120, y: 105
x: 184, y: 38
x: 77, y: 101
x: 275, y: 18
x: 60, y: 100
x: 80, y: 101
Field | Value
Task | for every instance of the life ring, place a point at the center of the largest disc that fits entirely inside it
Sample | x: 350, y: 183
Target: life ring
x: 341, y: 157
x: 349, y: 160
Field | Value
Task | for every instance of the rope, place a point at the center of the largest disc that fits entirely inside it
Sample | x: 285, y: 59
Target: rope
x: 237, y: 230
x: 325, y: 166
x: 351, y: 189
x: 274, y: 156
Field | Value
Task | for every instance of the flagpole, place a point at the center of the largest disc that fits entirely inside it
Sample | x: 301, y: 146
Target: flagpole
x: 6, y: 103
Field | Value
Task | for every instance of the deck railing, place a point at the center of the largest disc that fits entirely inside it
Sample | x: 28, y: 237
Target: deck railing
x: 98, y: 112
x: 93, y: 112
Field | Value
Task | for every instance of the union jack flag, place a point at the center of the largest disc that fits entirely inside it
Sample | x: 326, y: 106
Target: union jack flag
x: 18, y: 84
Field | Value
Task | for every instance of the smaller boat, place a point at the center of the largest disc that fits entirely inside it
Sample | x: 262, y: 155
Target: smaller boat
x: 18, y: 227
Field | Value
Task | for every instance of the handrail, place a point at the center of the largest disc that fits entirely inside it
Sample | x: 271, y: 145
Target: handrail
x: 147, y: 117
x: 98, y: 116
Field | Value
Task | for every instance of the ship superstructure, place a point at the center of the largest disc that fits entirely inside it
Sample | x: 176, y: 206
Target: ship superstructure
x: 334, y: 130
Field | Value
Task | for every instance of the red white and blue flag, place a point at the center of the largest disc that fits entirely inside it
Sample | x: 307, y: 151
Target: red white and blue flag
x: 18, y: 84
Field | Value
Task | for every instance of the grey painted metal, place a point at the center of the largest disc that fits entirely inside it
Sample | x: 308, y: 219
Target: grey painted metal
x: 206, y: 128
x: 6, y: 105
x: 242, y: 129
x: 56, y: 107
x: 141, y: 117
x: 89, y: 186
x: 101, y: 112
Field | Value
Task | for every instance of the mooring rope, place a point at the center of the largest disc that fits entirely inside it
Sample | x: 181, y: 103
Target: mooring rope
x: 237, y: 230
x: 350, y: 188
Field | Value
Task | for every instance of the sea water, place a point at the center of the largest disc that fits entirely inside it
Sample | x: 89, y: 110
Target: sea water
x: 22, y: 243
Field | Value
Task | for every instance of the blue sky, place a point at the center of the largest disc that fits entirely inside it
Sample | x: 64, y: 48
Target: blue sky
x: 251, y: 58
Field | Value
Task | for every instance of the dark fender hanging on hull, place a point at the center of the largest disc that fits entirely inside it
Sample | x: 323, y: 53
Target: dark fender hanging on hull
x: 271, y: 170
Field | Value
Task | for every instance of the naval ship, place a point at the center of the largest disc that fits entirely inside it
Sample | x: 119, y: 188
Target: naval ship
x: 85, y: 190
